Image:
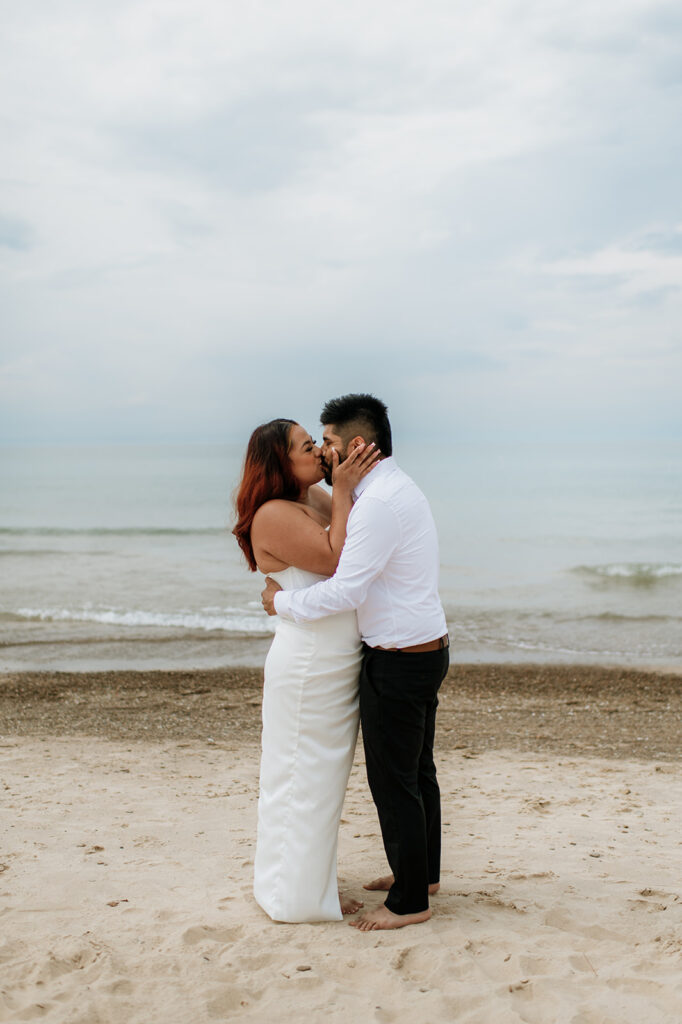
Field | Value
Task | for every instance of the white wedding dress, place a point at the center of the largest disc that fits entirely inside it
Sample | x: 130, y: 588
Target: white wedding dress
x: 310, y: 725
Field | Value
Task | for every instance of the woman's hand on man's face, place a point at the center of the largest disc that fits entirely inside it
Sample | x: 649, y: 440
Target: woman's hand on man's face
x: 357, y: 464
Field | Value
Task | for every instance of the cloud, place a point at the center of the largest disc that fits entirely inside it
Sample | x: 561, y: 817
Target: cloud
x: 633, y: 269
x: 210, y: 210
x: 15, y: 234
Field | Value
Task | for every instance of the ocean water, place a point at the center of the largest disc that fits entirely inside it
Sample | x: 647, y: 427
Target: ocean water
x: 121, y: 556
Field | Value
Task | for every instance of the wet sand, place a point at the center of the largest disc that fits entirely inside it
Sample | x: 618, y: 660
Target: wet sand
x: 611, y: 712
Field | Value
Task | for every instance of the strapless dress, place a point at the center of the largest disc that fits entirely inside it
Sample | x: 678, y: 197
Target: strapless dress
x: 310, y: 725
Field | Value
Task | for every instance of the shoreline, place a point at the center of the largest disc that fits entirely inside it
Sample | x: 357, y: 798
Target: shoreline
x: 588, y: 710
x: 170, y: 654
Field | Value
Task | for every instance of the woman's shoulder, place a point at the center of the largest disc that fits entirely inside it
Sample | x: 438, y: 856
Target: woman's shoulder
x: 276, y: 508
x: 279, y: 510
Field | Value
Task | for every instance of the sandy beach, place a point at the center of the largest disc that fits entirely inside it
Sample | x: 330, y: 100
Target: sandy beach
x: 128, y: 818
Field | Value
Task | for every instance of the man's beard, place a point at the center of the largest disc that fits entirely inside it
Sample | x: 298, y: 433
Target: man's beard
x: 327, y: 467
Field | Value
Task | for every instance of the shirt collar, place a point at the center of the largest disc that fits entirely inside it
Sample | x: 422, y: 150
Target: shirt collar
x: 380, y: 470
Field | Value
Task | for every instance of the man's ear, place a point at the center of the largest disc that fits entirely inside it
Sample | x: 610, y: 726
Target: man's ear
x: 355, y: 442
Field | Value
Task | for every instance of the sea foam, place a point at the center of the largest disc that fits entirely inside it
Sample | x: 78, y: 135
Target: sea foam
x: 229, y: 620
x: 635, y: 573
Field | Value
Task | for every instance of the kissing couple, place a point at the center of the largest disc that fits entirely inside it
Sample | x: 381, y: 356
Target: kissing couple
x: 361, y: 634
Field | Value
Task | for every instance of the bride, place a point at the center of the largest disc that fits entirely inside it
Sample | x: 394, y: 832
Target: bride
x: 292, y: 530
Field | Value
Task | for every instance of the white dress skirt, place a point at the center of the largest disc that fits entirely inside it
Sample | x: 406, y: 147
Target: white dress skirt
x: 310, y: 726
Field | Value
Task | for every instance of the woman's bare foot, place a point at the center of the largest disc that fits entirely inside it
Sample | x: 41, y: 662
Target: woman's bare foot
x: 383, y: 918
x: 349, y: 905
x: 384, y: 883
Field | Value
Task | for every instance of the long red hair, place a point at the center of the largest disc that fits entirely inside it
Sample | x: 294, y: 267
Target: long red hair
x: 267, y: 474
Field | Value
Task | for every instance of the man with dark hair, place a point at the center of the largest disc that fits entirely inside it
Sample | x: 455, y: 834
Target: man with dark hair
x: 388, y: 571
x: 357, y: 416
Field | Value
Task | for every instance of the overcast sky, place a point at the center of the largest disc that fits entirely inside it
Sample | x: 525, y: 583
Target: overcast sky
x: 216, y: 212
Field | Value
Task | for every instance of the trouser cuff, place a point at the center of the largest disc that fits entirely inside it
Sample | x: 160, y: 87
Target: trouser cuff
x: 401, y: 911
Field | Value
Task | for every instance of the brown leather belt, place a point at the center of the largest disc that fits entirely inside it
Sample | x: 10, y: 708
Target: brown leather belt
x: 430, y: 645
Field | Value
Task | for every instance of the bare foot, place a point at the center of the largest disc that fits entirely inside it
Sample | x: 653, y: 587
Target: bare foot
x: 384, y: 883
x: 383, y: 918
x: 349, y: 905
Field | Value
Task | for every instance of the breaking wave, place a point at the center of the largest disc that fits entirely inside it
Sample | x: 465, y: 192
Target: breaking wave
x: 638, y: 574
x: 110, y: 531
x: 228, y: 620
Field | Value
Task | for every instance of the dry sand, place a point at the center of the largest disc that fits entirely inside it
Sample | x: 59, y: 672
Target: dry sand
x: 128, y: 819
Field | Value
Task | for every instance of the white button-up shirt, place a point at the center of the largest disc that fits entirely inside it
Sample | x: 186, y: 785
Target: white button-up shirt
x: 388, y: 568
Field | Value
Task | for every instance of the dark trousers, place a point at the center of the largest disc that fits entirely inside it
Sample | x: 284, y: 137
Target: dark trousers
x: 398, y: 701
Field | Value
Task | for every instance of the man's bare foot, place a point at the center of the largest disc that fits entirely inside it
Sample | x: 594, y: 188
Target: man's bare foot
x: 383, y: 918
x: 349, y: 905
x: 384, y: 883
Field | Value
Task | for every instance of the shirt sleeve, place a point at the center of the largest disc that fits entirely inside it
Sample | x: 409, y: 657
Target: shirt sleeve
x: 372, y: 535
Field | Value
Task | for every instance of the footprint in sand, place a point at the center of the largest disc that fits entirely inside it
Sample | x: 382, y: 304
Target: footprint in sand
x: 69, y: 958
x: 500, y: 904
x: 647, y: 905
x: 384, y: 1016
x: 562, y: 920
x: 580, y: 962
x: 523, y: 988
x: 536, y: 965
x: 398, y: 961
x: 149, y: 842
x: 204, y: 933
x: 660, y: 894
x: 416, y: 965
x: 537, y: 803
x: 636, y: 986
x: 223, y: 1002
x: 520, y: 876
x: 258, y: 961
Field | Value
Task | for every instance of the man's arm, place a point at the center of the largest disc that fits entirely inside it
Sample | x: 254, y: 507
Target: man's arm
x: 373, y: 533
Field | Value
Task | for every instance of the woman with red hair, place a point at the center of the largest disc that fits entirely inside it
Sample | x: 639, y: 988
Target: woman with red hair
x: 291, y: 529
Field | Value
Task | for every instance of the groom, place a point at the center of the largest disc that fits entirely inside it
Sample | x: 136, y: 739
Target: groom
x: 388, y: 571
